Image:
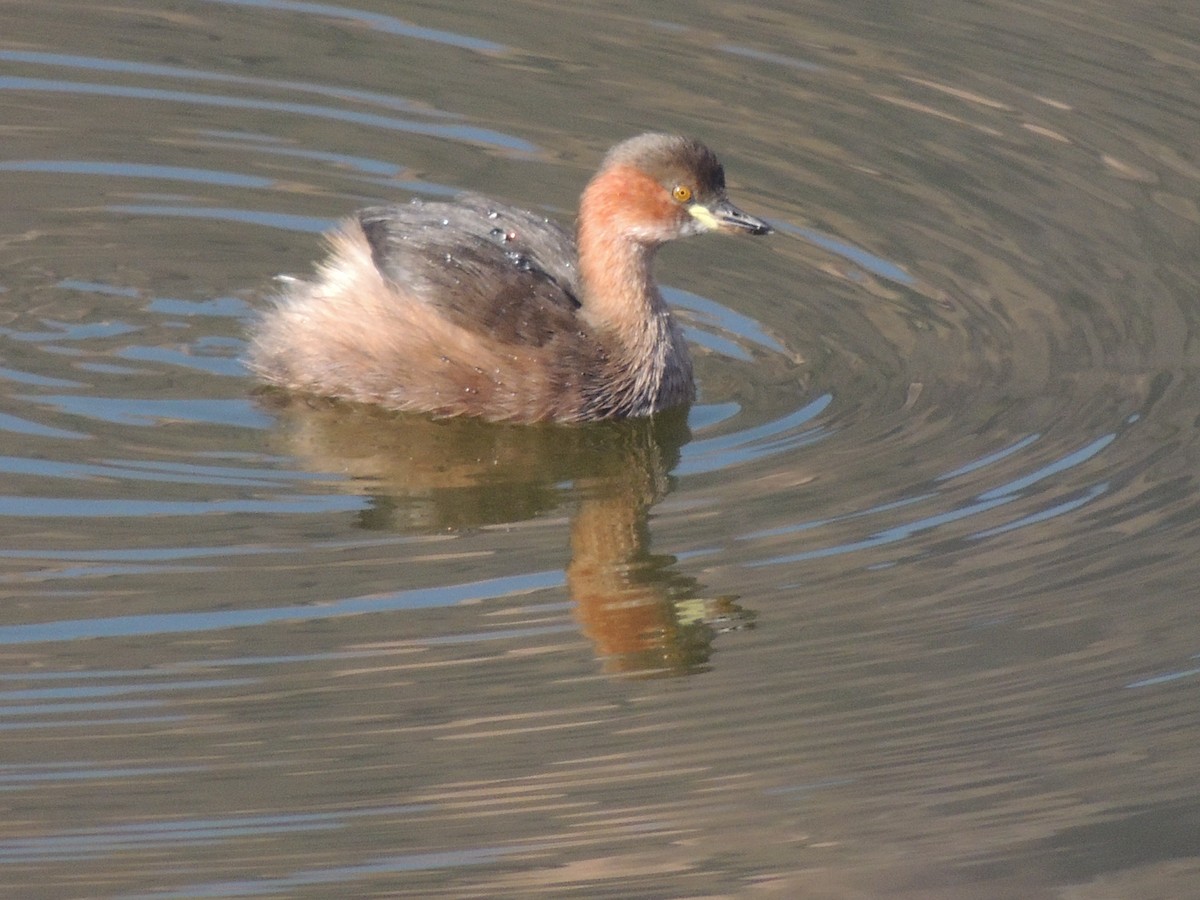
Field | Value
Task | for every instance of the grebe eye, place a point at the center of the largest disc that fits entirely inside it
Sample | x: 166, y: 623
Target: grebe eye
x: 682, y: 193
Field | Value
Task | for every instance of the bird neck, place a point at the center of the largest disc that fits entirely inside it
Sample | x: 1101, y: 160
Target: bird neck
x: 621, y: 301
x: 615, y: 260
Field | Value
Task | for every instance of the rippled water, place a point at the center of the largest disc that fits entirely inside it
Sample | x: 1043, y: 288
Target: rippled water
x: 905, y: 607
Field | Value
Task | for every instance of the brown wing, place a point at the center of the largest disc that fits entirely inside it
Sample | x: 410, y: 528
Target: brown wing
x: 486, y: 266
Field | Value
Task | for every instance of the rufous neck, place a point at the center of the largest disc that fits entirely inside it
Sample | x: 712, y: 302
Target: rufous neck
x: 615, y: 264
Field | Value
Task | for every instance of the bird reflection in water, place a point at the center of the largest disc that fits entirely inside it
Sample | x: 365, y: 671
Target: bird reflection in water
x: 643, y: 616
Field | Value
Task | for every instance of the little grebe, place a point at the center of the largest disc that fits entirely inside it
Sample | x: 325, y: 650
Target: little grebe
x: 477, y: 308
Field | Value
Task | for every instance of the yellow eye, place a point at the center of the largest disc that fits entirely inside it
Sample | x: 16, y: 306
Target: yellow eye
x: 682, y: 193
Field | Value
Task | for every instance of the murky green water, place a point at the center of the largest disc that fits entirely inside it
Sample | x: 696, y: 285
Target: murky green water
x: 904, y: 608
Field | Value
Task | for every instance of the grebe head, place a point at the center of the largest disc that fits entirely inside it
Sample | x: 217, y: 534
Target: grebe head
x: 657, y: 187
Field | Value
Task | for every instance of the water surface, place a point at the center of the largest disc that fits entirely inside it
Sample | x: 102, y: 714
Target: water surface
x: 902, y: 607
